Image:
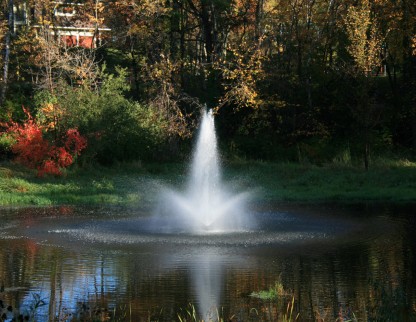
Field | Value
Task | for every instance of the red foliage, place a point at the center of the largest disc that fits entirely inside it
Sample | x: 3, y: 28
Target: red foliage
x: 30, y: 147
x: 75, y: 142
x: 63, y: 157
x: 35, y: 152
x: 49, y: 167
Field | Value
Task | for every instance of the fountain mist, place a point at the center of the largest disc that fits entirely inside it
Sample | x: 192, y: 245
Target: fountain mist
x: 206, y: 206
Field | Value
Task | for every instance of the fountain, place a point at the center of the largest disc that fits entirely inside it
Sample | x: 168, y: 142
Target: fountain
x: 202, y: 231
x: 202, y: 244
x: 206, y: 213
x: 207, y: 206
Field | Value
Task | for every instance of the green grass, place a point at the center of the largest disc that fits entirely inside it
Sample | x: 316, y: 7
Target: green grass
x: 136, y: 184
x: 395, y: 182
x: 129, y: 185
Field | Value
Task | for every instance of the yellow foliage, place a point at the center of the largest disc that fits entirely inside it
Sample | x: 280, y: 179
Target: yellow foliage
x: 241, y: 74
x: 414, y: 45
x: 49, y: 115
x: 364, y: 35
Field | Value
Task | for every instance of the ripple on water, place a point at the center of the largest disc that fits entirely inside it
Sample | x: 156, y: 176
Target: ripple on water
x: 271, y: 229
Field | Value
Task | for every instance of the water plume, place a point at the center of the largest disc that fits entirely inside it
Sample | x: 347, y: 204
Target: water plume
x: 206, y: 205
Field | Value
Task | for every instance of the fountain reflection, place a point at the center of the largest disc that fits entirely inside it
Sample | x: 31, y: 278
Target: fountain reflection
x: 207, y: 280
x: 206, y: 207
x: 207, y: 269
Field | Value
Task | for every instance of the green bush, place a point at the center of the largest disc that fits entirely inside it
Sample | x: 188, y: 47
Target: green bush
x: 117, y: 128
x: 6, y: 142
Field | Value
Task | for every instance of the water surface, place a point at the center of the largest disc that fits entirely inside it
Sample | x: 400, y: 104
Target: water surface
x: 334, y: 260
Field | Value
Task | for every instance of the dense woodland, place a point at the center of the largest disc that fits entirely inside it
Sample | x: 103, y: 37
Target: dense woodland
x: 299, y: 80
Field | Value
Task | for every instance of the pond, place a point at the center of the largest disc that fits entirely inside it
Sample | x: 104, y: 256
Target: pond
x: 332, y: 261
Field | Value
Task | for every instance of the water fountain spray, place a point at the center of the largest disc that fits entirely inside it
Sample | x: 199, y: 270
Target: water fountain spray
x: 207, y: 205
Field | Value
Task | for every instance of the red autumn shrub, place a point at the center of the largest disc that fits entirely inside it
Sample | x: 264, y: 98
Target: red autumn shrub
x: 75, y: 142
x: 30, y: 147
x: 49, y: 167
x: 62, y: 157
x: 36, y: 152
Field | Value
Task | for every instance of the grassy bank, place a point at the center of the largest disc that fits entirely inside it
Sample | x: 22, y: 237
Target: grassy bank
x: 387, y: 181
x: 139, y: 185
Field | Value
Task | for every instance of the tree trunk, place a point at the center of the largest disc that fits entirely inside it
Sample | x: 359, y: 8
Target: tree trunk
x: 135, y: 70
x: 7, y: 52
x: 366, y: 152
x: 182, y: 43
x: 259, y: 18
x: 413, y: 120
x: 207, y: 26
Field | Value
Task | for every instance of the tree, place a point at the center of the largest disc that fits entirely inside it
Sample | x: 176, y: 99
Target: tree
x: 398, y: 26
x: 364, y: 35
x: 241, y: 75
x: 56, y: 63
x: 140, y: 34
x: 365, y: 48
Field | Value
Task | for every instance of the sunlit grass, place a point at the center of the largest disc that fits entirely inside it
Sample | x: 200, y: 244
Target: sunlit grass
x: 19, y: 186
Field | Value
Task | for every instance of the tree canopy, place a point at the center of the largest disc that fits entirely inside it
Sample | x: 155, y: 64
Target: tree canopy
x: 305, y: 80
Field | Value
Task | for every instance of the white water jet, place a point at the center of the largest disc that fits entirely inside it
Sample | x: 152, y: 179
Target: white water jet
x: 206, y: 206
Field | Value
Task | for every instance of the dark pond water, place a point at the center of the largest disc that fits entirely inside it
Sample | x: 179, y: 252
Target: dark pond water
x: 333, y: 261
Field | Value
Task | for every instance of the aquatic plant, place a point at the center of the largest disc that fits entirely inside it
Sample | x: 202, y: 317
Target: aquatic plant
x: 189, y: 314
x: 288, y: 316
x: 273, y: 293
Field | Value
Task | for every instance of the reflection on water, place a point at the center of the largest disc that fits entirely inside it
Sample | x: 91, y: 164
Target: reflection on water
x: 369, y: 271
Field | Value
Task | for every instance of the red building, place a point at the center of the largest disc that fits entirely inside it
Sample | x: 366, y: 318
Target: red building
x: 74, y: 23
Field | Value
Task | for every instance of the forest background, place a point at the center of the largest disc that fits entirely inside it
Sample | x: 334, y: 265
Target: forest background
x: 312, y: 81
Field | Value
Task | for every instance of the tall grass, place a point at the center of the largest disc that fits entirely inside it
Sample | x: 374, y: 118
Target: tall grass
x: 189, y: 315
x: 288, y: 316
